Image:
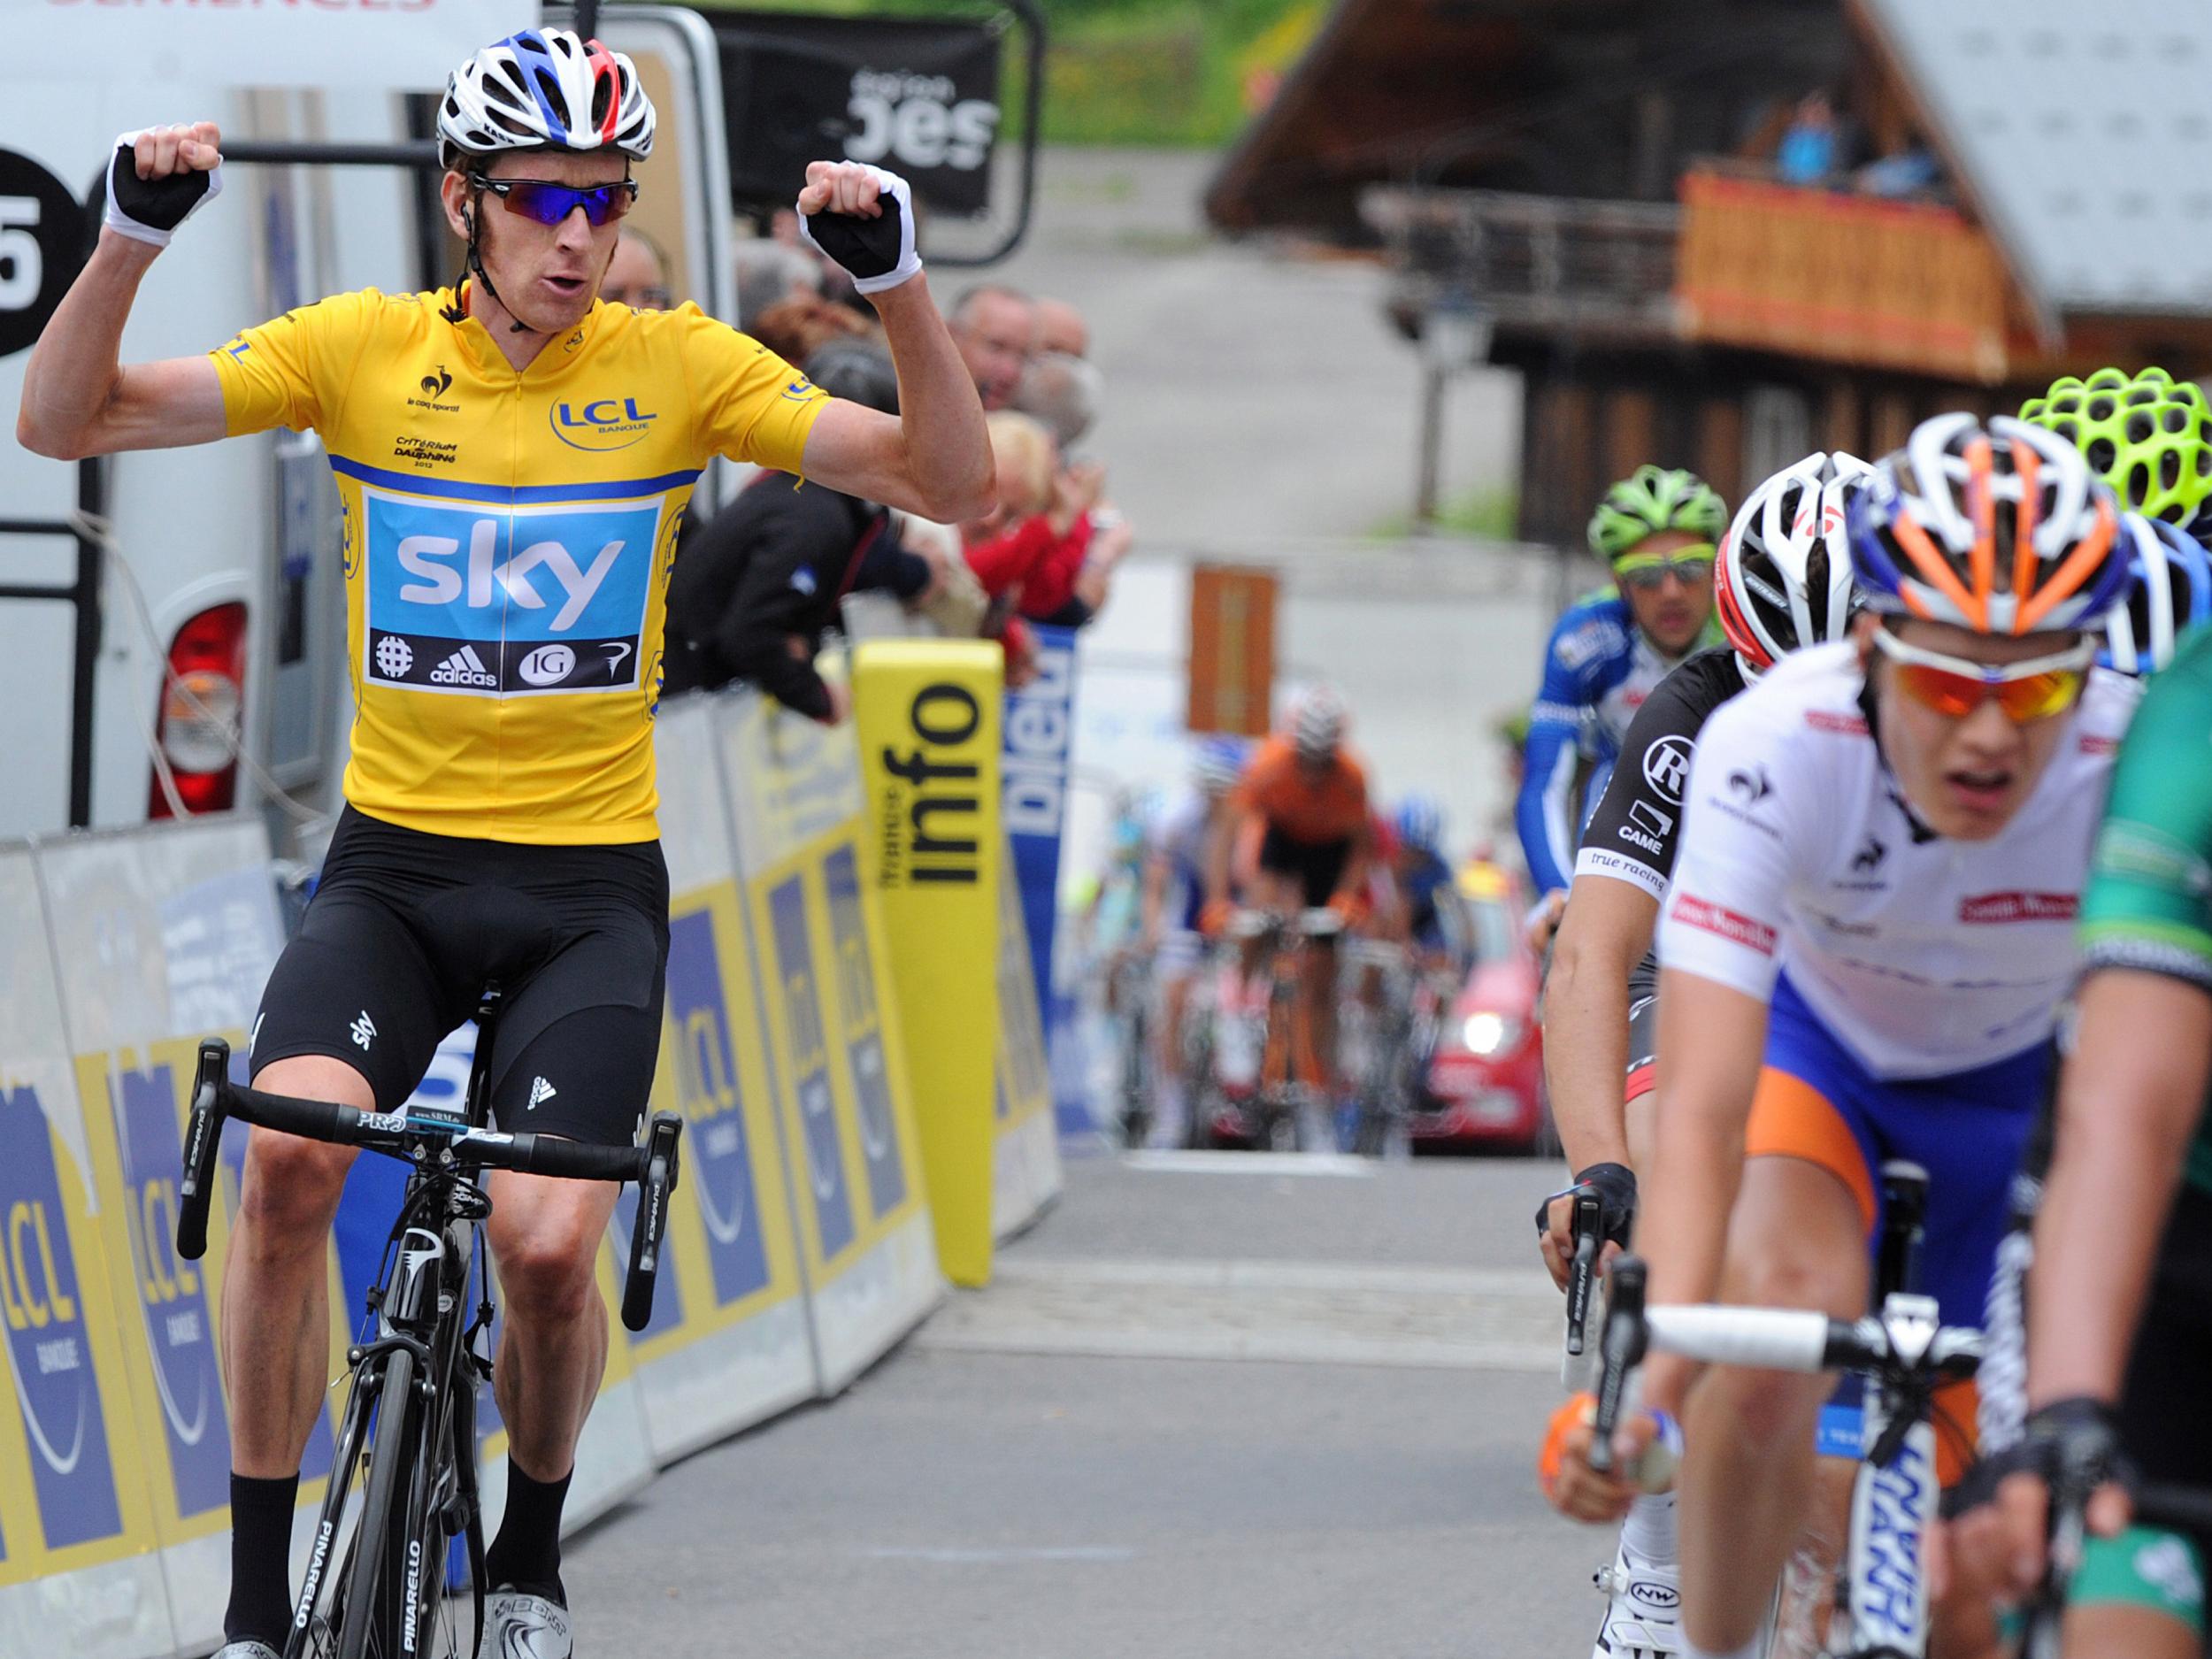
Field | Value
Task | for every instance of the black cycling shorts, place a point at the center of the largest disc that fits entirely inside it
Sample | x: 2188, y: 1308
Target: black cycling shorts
x: 405, y: 931
x: 1318, y: 865
x: 1643, y: 1026
x: 2163, y: 1423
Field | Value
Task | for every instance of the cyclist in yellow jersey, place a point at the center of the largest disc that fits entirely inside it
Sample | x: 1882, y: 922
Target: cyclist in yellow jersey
x: 514, y: 457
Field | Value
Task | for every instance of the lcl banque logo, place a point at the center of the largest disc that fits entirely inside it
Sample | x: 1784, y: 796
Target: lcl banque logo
x: 42, y: 1312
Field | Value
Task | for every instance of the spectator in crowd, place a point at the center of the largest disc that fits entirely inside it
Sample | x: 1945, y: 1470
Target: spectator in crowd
x: 769, y: 271
x: 756, y: 587
x: 1061, y: 393
x: 796, y: 328
x: 1061, y: 329
x: 1809, y: 152
x: 637, y: 276
x: 995, y: 329
x: 1048, y: 550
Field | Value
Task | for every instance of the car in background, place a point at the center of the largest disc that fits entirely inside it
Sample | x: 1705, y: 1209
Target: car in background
x: 1484, y: 1090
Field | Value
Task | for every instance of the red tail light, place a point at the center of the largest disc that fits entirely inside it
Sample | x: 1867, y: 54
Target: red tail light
x: 208, y: 660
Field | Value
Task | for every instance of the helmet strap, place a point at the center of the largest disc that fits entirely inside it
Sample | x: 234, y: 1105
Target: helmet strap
x: 474, y: 264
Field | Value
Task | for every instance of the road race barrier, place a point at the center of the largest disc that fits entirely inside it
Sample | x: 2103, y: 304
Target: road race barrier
x: 80, y: 1567
x: 730, y: 1342
x: 1025, y: 1142
x: 801, y: 1247
x: 928, y: 718
x: 1039, y: 730
x: 834, y: 1043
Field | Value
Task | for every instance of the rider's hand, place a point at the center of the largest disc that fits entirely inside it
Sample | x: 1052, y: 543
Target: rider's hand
x: 1575, y: 1489
x: 2066, y: 1434
x: 158, y: 178
x: 1213, y: 917
x: 863, y: 218
x: 1543, y: 921
x: 1615, y: 1186
x: 1557, y: 1243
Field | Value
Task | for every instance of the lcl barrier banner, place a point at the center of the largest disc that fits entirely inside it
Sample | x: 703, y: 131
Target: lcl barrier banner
x: 1025, y: 1146
x: 729, y: 1343
x: 834, y: 1040
x: 78, y: 1571
x: 927, y: 711
x: 163, y: 936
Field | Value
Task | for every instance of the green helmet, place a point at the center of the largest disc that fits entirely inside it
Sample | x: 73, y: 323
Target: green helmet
x: 1651, y: 499
x: 2150, y: 437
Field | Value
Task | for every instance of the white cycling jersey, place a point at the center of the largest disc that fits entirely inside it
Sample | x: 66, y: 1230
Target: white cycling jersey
x: 1923, y: 956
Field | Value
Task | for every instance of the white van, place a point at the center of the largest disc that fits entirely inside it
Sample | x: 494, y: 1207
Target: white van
x: 128, y: 582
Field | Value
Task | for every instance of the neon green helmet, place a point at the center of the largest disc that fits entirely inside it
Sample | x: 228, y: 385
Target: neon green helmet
x: 2149, y: 437
x: 1651, y: 500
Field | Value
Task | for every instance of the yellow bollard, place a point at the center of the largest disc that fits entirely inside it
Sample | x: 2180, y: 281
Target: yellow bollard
x: 927, y: 712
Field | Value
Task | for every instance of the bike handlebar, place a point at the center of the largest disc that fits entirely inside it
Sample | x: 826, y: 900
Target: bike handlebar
x: 1782, y: 1338
x: 654, y: 1165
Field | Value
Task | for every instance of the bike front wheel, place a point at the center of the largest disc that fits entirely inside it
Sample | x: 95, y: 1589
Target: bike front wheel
x: 374, y: 1603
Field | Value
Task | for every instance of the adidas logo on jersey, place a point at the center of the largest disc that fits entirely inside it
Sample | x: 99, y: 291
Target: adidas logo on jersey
x: 540, y: 1090
x: 464, y: 667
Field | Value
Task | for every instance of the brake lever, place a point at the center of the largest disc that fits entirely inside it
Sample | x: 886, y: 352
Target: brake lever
x: 655, y: 1187
x: 1621, y: 1347
x: 203, y: 1138
x: 1582, y: 1273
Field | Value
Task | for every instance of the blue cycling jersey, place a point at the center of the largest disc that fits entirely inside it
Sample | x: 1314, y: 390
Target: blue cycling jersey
x: 1598, y: 669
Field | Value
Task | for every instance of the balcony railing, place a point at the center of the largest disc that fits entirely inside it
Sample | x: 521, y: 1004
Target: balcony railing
x: 1539, y: 264
x: 1846, y: 278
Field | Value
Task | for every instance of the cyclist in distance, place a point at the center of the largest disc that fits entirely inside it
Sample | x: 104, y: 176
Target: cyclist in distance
x: 1657, y: 529
x: 513, y: 457
x: 1433, y: 917
x: 1863, y: 950
x: 1784, y: 579
x: 1175, y: 889
x: 1296, y: 837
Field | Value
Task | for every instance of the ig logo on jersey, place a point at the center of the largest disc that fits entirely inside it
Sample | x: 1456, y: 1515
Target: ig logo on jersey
x: 547, y: 666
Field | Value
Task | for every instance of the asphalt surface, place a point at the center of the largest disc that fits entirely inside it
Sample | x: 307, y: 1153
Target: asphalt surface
x: 1219, y: 1411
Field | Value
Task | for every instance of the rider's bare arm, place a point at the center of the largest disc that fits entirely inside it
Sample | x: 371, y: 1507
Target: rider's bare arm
x: 1606, y: 931
x: 1153, y: 909
x: 932, y: 458
x: 79, y: 399
x: 1353, y: 882
x: 2126, y: 1111
x: 1711, y: 1037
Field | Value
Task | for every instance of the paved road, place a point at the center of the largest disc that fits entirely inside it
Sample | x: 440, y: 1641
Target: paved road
x: 1216, y: 1414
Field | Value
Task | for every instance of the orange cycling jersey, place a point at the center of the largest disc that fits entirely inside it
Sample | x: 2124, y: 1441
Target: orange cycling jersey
x: 1311, y: 809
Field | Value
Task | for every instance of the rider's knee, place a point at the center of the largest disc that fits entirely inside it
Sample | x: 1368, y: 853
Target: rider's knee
x: 291, y: 1190
x: 1765, y: 1408
x: 548, y: 1265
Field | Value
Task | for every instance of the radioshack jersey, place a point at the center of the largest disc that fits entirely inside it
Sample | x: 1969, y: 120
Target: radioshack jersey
x: 508, y: 538
x: 1921, y: 956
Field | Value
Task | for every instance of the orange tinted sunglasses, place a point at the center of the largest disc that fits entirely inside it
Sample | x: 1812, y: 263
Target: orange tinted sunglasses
x: 1955, y: 687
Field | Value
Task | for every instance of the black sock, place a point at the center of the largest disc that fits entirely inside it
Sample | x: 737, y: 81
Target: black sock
x: 528, y: 1551
x: 260, y: 1559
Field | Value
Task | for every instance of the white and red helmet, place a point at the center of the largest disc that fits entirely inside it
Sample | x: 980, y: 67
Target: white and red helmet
x: 1784, y: 578
x: 544, y: 89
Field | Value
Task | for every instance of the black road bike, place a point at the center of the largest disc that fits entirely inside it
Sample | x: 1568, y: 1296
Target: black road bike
x: 376, y: 1581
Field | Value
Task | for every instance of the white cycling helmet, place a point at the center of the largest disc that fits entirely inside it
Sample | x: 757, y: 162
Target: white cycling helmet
x: 2172, y: 592
x: 1316, y: 725
x: 544, y: 89
x: 1783, y: 578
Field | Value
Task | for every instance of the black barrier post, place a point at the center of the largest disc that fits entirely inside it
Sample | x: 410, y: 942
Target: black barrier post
x: 289, y: 152
x: 83, y: 597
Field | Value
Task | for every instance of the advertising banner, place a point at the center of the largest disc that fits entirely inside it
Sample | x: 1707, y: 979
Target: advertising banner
x: 402, y: 45
x: 919, y: 97
x: 1040, y: 729
x: 162, y: 936
x: 1025, y: 1146
x: 928, y: 716
x: 833, y: 1047
x: 79, y: 1573
x: 729, y: 1342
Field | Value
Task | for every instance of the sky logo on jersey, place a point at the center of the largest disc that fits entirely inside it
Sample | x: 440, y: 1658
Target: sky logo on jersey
x: 494, y: 599
x: 602, y: 424
x: 42, y: 1311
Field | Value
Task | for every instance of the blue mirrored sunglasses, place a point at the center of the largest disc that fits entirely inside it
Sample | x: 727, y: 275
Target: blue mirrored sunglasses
x: 549, y: 203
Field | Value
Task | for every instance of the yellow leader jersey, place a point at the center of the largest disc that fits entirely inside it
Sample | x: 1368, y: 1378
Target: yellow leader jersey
x: 508, y: 539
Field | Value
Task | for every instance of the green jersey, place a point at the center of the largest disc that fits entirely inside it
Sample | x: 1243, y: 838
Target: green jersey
x: 2149, y: 902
